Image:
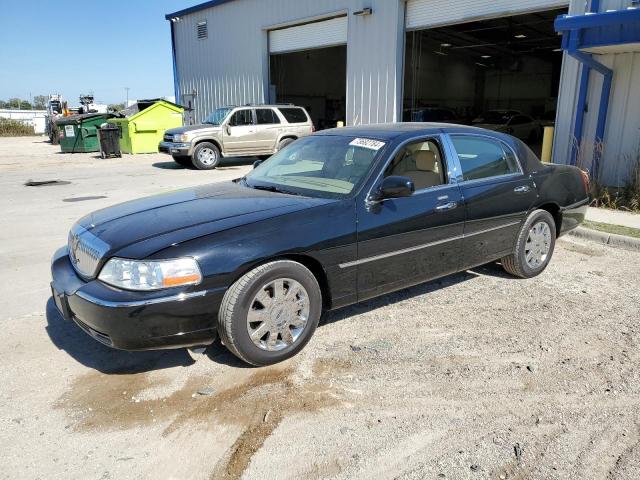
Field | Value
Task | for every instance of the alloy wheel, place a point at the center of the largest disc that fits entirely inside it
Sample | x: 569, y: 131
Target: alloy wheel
x: 538, y: 245
x: 278, y: 314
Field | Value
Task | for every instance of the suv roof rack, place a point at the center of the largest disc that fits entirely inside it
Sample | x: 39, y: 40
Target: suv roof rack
x: 269, y: 105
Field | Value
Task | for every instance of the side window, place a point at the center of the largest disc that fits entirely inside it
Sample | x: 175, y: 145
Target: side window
x: 266, y: 116
x: 294, y: 115
x: 241, y: 117
x: 483, y: 157
x: 421, y: 162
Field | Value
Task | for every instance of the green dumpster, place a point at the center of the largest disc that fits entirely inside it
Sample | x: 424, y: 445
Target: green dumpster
x: 78, y: 132
x: 142, y: 125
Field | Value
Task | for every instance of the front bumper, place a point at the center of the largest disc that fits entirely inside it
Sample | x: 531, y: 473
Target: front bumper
x: 171, y: 148
x: 134, y: 320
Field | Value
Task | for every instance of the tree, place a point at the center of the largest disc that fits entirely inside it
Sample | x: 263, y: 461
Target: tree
x: 116, y: 107
x: 3, y: 104
x: 14, y: 102
x: 40, y: 102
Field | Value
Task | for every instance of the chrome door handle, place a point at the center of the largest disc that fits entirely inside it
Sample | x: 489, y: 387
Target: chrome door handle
x: 522, y: 189
x: 446, y: 206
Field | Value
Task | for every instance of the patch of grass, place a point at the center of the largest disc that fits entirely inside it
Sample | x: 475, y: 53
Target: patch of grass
x: 14, y: 128
x: 608, y: 228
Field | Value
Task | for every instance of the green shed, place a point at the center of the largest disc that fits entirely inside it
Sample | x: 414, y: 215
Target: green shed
x: 142, y: 125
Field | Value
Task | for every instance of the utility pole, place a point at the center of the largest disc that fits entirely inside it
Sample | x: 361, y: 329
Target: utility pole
x: 126, y: 105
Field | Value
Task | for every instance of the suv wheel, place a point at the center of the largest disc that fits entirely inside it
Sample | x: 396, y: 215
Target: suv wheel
x: 184, y: 161
x: 534, y: 246
x: 206, y: 156
x: 284, y: 142
x: 270, y: 313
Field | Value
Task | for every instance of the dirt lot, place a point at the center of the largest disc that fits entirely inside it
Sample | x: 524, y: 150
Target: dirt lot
x: 475, y: 376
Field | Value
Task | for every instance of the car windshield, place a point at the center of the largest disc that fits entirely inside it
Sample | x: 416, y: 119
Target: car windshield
x: 318, y: 166
x: 217, y: 117
x: 495, y: 118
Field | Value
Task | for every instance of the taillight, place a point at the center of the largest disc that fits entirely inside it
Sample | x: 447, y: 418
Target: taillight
x: 585, y: 180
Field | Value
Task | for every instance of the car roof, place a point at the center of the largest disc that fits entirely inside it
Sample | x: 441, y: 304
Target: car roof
x: 390, y: 131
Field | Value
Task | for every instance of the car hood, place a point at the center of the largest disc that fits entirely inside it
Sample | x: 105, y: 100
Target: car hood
x: 142, y: 227
x: 190, y: 128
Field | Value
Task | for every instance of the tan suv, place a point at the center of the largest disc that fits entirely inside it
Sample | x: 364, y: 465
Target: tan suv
x: 251, y: 130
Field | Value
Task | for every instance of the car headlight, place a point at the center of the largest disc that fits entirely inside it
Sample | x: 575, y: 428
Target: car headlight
x: 150, y: 274
x: 181, y: 137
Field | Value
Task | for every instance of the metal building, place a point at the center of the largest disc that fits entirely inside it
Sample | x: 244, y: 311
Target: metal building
x: 370, y: 61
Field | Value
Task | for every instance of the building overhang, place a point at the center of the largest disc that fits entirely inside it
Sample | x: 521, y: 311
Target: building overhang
x: 601, y: 33
x: 196, y: 8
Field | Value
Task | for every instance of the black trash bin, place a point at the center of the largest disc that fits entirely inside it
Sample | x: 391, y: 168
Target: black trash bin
x: 109, y: 137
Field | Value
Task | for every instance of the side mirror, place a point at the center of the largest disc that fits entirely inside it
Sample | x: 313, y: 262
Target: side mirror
x: 396, y: 186
x: 257, y: 163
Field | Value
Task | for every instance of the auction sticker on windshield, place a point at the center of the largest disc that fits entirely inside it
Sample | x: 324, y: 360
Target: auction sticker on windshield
x: 367, y: 143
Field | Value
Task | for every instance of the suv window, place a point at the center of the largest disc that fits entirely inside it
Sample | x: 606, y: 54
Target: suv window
x: 241, y: 117
x: 266, y: 116
x: 421, y: 162
x: 483, y: 157
x: 294, y: 115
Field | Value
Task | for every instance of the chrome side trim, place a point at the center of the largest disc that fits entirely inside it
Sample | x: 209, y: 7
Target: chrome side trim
x: 398, y: 252
x: 576, y: 205
x: 141, y: 303
x: 423, y: 246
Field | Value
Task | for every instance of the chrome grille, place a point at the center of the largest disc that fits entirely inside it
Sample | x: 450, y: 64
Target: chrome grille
x: 85, y: 251
x: 168, y: 138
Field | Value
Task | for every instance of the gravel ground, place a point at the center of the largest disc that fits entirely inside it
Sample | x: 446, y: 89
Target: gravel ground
x: 477, y: 375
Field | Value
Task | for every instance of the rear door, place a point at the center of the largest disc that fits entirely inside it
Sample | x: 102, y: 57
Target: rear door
x: 240, y: 134
x: 405, y: 241
x: 268, y: 128
x: 497, y: 196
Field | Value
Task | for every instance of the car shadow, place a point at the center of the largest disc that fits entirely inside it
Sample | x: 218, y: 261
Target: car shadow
x: 396, y: 297
x: 226, y: 163
x: 67, y: 336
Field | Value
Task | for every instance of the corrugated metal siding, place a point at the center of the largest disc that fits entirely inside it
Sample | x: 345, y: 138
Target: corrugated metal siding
x: 622, y: 134
x: 231, y: 66
x: 327, y: 33
x: 429, y: 13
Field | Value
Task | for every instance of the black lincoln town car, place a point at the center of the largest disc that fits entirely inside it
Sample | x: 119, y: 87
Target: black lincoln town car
x: 333, y: 219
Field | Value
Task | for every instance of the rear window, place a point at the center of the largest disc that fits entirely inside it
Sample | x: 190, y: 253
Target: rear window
x: 266, y: 116
x: 294, y: 115
x: 483, y: 158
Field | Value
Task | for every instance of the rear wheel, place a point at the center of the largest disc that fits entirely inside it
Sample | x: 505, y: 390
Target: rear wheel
x: 284, y: 142
x: 270, y: 313
x: 534, y: 246
x: 184, y: 161
x: 206, y: 156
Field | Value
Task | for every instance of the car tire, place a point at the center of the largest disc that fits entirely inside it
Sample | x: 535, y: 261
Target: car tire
x: 184, y: 161
x: 534, y: 246
x: 284, y: 142
x: 251, y: 306
x: 206, y: 156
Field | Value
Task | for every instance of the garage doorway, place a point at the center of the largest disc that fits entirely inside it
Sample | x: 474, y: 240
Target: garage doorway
x: 308, y: 67
x: 501, y: 73
x: 314, y: 79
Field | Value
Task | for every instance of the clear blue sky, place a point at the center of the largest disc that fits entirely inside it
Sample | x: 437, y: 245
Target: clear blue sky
x: 76, y: 46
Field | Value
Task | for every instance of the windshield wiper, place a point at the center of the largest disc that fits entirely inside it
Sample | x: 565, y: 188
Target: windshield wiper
x: 272, y: 188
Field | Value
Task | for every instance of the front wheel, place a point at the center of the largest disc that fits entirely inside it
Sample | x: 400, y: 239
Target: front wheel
x: 270, y: 313
x: 534, y: 246
x: 206, y: 156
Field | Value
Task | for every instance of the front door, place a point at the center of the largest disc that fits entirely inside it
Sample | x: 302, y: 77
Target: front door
x: 497, y: 197
x: 405, y: 241
x: 239, y: 135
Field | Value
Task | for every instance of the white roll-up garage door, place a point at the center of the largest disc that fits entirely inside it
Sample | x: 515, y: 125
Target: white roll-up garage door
x: 326, y: 33
x: 431, y: 13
